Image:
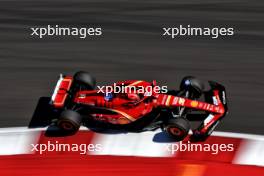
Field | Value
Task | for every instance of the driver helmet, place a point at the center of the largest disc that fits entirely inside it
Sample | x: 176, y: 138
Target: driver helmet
x: 108, y: 96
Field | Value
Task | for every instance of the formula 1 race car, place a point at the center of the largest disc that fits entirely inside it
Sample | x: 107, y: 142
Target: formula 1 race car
x: 79, y: 102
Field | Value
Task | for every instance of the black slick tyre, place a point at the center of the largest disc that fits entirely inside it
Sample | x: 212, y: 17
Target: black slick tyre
x: 86, y: 79
x: 178, y: 128
x: 193, y: 85
x: 69, y: 121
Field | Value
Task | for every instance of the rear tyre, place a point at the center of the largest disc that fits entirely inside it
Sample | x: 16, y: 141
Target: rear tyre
x: 85, y: 79
x: 193, y: 85
x: 178, y: 128
x: 69, y: 121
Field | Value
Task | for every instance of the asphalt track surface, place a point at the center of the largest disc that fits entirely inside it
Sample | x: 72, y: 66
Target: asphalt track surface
x: 132, y: 47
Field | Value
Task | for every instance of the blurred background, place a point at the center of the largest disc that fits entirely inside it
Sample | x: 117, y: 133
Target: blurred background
x: 132, y: 47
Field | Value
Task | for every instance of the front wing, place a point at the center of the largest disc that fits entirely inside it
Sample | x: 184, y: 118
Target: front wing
x: 215, y: 110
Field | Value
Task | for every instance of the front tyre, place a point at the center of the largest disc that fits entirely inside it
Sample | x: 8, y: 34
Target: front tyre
x: 178, y: 128
x: 193, y: 85
x: 69, y: 121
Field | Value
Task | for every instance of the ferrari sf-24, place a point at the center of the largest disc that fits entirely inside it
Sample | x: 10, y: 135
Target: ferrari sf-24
x: 78, y: 102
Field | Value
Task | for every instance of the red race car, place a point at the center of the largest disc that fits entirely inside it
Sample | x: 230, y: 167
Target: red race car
x: 136, y: 105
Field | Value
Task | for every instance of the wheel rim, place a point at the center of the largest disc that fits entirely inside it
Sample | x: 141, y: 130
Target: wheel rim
x: 176, y: 131
x: 66, y: 125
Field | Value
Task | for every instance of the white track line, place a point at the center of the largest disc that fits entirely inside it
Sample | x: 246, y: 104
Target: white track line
x: 250, y: 152
x: 238, y: 135
x: 83, y: 128
x: 130, y: 144
x: 17, y: 140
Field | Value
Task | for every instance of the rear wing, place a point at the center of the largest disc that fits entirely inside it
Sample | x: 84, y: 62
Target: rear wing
x: 61, y: 90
